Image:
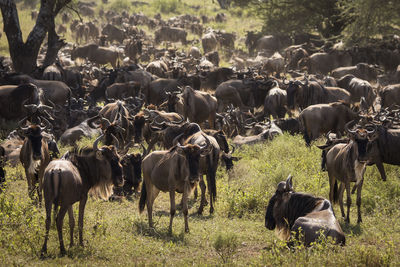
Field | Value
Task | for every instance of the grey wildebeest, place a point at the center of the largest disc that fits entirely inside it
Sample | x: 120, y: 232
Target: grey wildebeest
x: 34, y: 157
x: 170, y: 34
x: 173, y: 170
x: 357, y: 88
x: 308, y: 93
x: 267, y: 134
x: 275, y: 102
x: 346, y: 163
x: 307, y: 216
x: 96, y: 54
x: 390, y: 95
x: 93, y: 170
x: 199, y: 106
x: 321, y: 118
x: 322, y: 63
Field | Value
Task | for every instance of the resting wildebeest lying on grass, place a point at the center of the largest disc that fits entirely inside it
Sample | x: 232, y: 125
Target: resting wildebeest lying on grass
x: 305, y: 215
x: 93, y: 170
x: 174, y: 170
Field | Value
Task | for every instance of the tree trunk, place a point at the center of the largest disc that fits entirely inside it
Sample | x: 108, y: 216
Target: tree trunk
x: 24, y: 55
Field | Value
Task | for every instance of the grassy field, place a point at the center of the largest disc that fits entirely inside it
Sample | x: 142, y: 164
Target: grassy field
x: 116, y: 234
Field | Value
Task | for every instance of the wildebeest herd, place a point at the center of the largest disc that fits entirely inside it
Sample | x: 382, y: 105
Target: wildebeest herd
x: 182, y: 108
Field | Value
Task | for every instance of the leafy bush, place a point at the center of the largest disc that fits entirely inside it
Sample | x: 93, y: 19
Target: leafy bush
x: 168, y: 6
x: 226, y: 245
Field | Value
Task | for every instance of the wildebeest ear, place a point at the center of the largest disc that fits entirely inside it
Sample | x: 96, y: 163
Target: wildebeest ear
x: 289, y: 185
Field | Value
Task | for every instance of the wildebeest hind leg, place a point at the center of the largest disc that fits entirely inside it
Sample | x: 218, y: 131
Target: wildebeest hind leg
x: 172, y: 208
x: 203, y: 200
x: 186, y: 191
x: 341, y: 191
x: 71, y: 225
x: 60, y: 219
x: 48, y: 205
x: 348, y: 202
x: 82, y: 205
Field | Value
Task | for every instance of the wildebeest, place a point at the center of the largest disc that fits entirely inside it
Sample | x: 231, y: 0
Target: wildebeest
x: 311, y: 92
x: 275, y: 103
x: 291, y: 125
x: 174, y: 170
x: 357, y: 88
x: 13, y: 98
x: 346, y: 163
x: 170, y: 34
x: 90, y: 170
x: 113, y: 33
x: 321, y: 118
x: 72, y: 135
x: 390, y: 95
x: 209, y: 42
x: 34, y: 157
x: 211, y: 79
x: 96, y: 54
x: 306, y: 216
x: 361, y: 70
x: 267, y: 134
x: 2, y: 163
x: 122, y: 90
x: 322, y: 63
x: 132, y: 172
x: 199, y: 106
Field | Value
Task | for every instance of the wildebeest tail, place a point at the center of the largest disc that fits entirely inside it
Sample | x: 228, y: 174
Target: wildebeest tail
x: 56, y: 186
x: 143, y: 197
x: 323, y: 160
x: 303, y: 127
x: 211, y: 180
x: 335, y: 193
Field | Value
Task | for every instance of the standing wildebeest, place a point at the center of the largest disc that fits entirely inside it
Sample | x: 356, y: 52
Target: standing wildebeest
x: 361, y: 70
x: 13, y: 98
x: 96, y: 54
x: 93, y: 170
x: 132, y: 169
x: 275, y: 103
x: 170, y: 34
x: 322, y: 118
x: 35, y: 157
x: 199, y: 106
x: 346, y: 163
x: 307, y: 216
x: 357, y: 88
x: 173, y: 170
x: 322, y: 63
x: 390, y: 95
x: 309, y: 93
x: 209, y: 42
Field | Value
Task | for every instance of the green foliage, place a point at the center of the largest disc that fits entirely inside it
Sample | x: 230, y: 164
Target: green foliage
x: 120, y: 5
x: 168, y: 6
x: 226, y: 245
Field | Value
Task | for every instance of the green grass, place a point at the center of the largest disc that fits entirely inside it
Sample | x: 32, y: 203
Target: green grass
x: 116, y: 234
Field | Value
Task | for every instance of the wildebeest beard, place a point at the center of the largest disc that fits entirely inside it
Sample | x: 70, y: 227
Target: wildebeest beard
x: 116, y: 170
x: 362, y: 149
x: 36, y: 142
x: 269, y: 216
x: 193, y: 161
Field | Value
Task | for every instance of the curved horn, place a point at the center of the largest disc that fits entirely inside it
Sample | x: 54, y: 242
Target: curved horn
x: 116, y: 142
x: 206, y: 149
x: 346, y: 127
x: 374, y: 128
x: 95, y: 148
x: 21, y: 122
x: 48, y: 125
x: 179, y: 122
x: 31, y: 107
x: 91, y: 120
x: 233, y: 149
x: 144, y: 150
x: 283, y: 81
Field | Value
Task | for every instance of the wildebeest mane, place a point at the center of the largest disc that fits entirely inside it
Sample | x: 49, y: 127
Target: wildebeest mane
x: 298, y: 205
x: 85, y: 160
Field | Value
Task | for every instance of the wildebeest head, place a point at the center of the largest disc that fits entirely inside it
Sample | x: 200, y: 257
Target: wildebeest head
x: 293, y: 92
x: 139, y: 121
x: 132, y: 167
x: 108, y: 154
x: 34, y: 134
x: 228, y: 159
x: 192, y: 154
x: 277, y: 202
x: 361, y: 136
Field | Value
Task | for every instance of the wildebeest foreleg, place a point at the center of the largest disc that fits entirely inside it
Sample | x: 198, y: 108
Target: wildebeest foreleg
x: 381, y: 170
x: 348, y: 202
x: 341, y: 192
x: 82, y: 205
x: 186, y: 191
x: 172, y: 208
x: 60, y: 219
x: 359, y: 220
x: 71, y: 226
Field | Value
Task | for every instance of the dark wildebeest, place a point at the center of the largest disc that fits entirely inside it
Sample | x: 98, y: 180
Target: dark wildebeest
x: 34, y: 157
x: 357, y: 88
x: 13, y: 98
x: 275, y: 103
x: 96, y: 54
x: 321, y: 118
x: 390, y: 95
x: 199, y: 106
x: 174, y: 170
x: 307, y: 216
x: 309, y: 93
x: 346, y: 163
x: 93, y: 170
x: 2, y: 163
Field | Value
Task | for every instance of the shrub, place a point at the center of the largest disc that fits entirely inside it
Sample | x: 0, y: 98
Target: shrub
x: 226, y: 245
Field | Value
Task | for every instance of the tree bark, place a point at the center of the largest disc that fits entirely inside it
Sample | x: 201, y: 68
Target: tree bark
x: 24, y: 55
